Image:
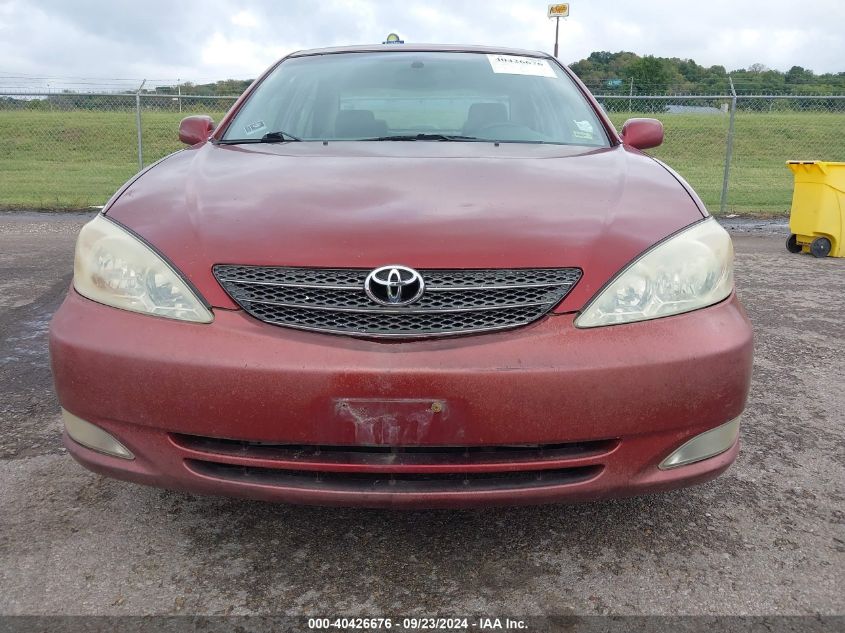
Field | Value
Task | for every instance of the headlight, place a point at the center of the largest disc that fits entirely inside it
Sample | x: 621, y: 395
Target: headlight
x: 690, y: 270
x: 114, y: 267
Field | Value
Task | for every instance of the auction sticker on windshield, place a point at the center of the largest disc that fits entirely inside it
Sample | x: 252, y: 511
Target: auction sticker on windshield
x: 252, y: 128
x: 518, y: 65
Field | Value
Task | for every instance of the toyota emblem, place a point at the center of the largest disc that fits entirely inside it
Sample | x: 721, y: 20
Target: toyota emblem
x: 394, y: 285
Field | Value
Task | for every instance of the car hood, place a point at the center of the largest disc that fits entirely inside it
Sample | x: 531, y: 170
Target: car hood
x: 420, y: 204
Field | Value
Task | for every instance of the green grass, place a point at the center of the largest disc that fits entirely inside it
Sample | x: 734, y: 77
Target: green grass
x: 694, y: 146
x: 759, y: 181
x: 76, y: 159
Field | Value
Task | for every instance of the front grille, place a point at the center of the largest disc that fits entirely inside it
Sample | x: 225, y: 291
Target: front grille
x: 454, y: 302
x: 403, y: 483
x: 395, y: 469
x: 393, y: 456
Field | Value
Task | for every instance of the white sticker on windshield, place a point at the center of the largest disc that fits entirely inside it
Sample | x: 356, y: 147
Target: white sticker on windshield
x: 584, y: 126
x: 252, y: 128
x: 518, y: 65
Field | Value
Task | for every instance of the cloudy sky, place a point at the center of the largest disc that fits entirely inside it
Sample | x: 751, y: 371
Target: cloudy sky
x: 202, y: 40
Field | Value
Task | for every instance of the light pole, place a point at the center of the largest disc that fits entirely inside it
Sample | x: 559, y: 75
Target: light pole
x: 558, y: 11
x: 557, y: 33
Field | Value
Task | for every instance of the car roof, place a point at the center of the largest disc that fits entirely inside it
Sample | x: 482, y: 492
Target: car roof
x: 417, y: 48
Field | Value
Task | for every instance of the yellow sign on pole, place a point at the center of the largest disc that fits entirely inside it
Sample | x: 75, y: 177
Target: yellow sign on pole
x: 559, y: 10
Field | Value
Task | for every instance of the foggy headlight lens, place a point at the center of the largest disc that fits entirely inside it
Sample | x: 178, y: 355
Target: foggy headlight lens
x: 691, y: 270
x: 114, y: 267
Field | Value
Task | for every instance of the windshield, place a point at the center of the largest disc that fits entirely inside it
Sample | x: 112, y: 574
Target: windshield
x: 418, y: 96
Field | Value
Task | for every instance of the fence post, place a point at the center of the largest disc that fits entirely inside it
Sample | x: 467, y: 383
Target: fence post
x: 138, y: 125
x: 729, y: 150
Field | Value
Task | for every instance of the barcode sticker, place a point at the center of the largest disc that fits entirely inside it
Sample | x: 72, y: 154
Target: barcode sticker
x: 518, y: 65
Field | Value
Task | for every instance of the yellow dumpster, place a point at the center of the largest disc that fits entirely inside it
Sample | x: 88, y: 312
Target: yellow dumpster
x: 817, y: 218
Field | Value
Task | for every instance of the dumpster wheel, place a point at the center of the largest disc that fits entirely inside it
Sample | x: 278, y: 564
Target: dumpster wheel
x: 820, y: 247
x: 792, y: 244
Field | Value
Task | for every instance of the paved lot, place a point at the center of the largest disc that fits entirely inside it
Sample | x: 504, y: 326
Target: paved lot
x: 765, y: 538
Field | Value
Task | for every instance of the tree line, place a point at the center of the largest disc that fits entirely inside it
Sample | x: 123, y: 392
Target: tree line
x: 610, y: 72
x: 620, y: 73
x: 626, y: 72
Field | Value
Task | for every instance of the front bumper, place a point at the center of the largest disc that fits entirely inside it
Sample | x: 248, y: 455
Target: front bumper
x: 591, y: 412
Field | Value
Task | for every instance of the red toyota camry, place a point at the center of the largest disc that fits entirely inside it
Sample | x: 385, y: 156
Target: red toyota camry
x: 406, y: 276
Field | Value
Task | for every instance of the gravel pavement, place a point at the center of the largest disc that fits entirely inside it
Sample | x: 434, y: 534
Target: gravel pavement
x: 765, y: 538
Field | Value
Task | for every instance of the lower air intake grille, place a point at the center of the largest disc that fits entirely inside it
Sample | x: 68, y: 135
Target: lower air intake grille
x: 392, y: 482
x: 454, y: 301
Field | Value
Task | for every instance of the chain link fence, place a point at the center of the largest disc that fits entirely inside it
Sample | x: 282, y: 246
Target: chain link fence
x: 733, y: 148
x: 74, y: 150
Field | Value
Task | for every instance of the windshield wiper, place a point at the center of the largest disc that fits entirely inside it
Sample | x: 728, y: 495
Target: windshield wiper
x: 424, y: 137
x: 284, y: 137
x: 276, y: 137
x: 270, y: 137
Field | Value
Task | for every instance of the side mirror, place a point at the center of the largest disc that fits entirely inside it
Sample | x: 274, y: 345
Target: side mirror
x: 195, y: 129
x: 642, y: 133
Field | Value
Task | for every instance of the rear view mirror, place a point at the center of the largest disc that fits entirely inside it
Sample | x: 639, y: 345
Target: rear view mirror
x: 195, y: 129
x: 642, y: 133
